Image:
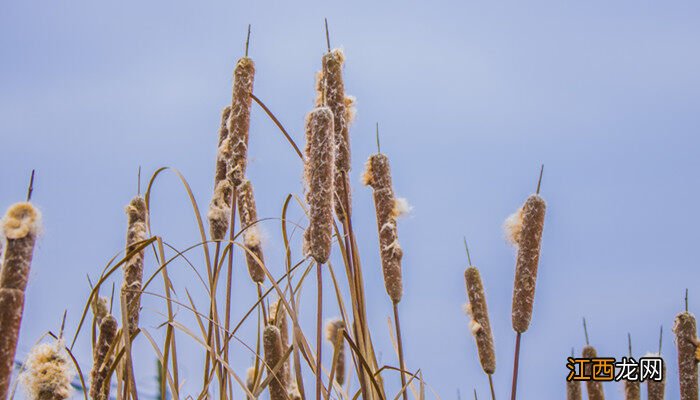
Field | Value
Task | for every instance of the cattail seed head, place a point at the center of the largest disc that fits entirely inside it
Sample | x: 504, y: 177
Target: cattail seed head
x: 48, y: 373
x: 20, y: 227
x: 334, y: 334
x: 137, y: 216
x: 318, y: 174
x: 101, y: 363
x: 378, y: 176
x: 331, y: 88
x: 272, y: 344
x: 480, y: 327
x: 656, y: 389
x: 528, y: 238
x: 632, y: 390
x: 573, y: 390
x: 251, y: 233
x: 239, y: 119
x: 220, y: 206
x: 100, y: 308
x: 250, y: 381
x: 594, y: 388
x: 278, y: 318
x: 685, y: 329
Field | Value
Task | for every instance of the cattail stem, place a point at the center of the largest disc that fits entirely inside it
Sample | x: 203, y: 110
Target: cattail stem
x: 319, y: 324
x: 686, y: 339
x: 516, y: 360
x: 493, y: 392
x: 20, y: 226
x: 399, y: 344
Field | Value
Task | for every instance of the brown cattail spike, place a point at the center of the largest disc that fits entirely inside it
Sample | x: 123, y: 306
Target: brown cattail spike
x: 594, y: 388
x: 480, y: 325
x: 278, y: 318
x: 378, y: 175
x: 318, y: 173
x: 239, y: 120
x: 103, y: 359
x: 20, y: 226
x: 137, y: 217
x: 273, y: 356
x: 526, y: 233
x: 250, y: 382
x: 686, y: 339
x: 48, y: 373
x: 573, y: 387
x: 220, y: 206
x: 656, y: 389
x: 334, y: 334
x: 251, y: 233
x: 331, y: 88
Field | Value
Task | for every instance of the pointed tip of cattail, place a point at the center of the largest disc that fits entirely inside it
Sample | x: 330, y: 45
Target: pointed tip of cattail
x: 539, y: 181
x: 21, y: 219
x: 48, y: 372
x: 328, y: 36
x: 30, y: 189
x: 247, y: 42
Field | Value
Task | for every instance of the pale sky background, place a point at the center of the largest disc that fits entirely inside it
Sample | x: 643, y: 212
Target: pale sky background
x: 471, y: 98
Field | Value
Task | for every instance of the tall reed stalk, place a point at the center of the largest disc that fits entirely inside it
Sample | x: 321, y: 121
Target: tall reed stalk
x: 524, y: 229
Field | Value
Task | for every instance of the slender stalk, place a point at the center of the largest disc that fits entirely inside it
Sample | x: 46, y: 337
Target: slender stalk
x: 319, y: 327
x: 399, y: 343
x: 493, y: 392
x: 516, y: 359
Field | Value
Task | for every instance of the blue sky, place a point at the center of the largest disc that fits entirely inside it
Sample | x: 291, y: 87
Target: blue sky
x: 471, y: 98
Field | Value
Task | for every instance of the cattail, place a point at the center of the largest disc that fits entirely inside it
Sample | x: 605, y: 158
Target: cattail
x: 137, y: 215
x: 334, y: 334
x: 378, y: 175
x: 220, y: 206
x: 293, y: 392
x: 524, y: 229
x: 102, y: 359
x: 573, y: 390
x: 20, y: 227
x: 48, y: 373
x: 250, y: 381
x: 100, y: 308
x: 632, y: 390
x: 480, y: 325
x: 594, y: 388
x: 278, y: 318
x: 331, y: 89
x: 686, y: 340
x: 273, y: 355
x: 239, y: 120
x: 251, y: 234
x: 318, y: 174
x: 656, y: 389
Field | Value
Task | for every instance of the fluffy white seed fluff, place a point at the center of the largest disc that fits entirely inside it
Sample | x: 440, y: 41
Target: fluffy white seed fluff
x: 48, y: 372
x: 513, y: 227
